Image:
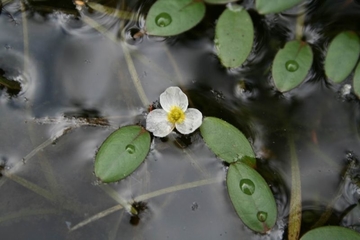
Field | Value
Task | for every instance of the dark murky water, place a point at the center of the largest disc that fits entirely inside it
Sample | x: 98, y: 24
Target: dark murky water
x: 78, y: 86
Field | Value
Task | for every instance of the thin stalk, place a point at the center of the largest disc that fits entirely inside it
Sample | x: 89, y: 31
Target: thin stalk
x: 115, y: 195
x: 131, y: 67
x: 146, y: 197
x: 295, y: 200
x: 111, y: 11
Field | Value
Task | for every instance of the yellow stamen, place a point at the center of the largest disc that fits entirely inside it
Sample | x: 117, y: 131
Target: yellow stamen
x: 176, y: 115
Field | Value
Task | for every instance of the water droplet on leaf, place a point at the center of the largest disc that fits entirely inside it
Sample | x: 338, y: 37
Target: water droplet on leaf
x: 163, y: 19
x: 262, y: 216
x: 291, y: 65
x: 130, y: 148
x: 247, y: 186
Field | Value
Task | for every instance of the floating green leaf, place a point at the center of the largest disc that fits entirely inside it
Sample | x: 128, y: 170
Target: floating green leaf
x: 234, y: 36
x: 171, y: 17
x: 251, y: 197
x: 121, y: 153
x: 275, y: 6
x: 331, y: 233
x: 226, y: 141
x: 291, y: 65
x: 342, y: 56
x: 357, y: 81
x: 219, y: 1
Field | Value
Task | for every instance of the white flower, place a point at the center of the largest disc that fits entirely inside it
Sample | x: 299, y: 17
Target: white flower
x: 175, y: 113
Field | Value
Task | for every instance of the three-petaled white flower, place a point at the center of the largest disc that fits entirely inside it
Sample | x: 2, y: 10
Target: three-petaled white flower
x: 175, y: 113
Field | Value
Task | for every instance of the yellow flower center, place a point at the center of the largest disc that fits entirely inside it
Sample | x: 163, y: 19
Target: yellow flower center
x: 176, y: 115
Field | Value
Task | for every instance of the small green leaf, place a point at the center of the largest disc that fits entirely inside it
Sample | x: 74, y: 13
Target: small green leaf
x: 219, y: 1
x: 251, y: 197
x: 342, y: 56
x: 331, y: 233
x: 291, y: 65
x: 226, y: 141
x: 357, y: 80
x: 171, y: 17
x: 121, y: 153
x: 275, y: 6
x: 234, y: 36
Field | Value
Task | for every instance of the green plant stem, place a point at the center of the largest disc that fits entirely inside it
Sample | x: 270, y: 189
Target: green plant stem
x: 111, y: 11
x: 146, y: 197
x: 128, y: 59
x: 300, y: 24
x: 64, y: 203
x: 97, y: 216
x: 28, y: 212
x: 295, y: 200
x: 114, y: 195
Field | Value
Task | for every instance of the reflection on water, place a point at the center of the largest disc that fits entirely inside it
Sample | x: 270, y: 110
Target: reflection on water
x: 79, y: 84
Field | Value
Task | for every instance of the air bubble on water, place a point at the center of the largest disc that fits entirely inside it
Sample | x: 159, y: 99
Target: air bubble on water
x: 345, y: 90
x: 194, y: 206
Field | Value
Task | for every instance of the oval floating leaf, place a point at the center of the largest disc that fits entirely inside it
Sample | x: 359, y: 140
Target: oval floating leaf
x: 226, y: 141
x: 275, y: 6
x: 219, y: 1
x: 121, y: 153
x: 291, y: 65
x: 357, y: 80
x: 171, y: 17
x: 251, y: 197
x: 331, y: 233
x: 342, y: 56
x: 234, y: 36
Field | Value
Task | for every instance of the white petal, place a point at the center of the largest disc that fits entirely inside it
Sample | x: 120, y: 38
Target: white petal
x: 157, y: 123
x: 173, y: 96
x: 193, y: 120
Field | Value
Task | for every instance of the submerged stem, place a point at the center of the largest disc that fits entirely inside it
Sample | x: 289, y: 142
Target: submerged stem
x: 114, y: 195
x: 146, y: 197
x: 111, y: 11
x: 295, y: 200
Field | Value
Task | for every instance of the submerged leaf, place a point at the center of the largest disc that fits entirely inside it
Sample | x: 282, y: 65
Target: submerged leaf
x: 226, y: 141
x: 251, y: 197
x: 275, y: 6
x: 342, y: 56
x: 171, y: 17
x: 331, y: 233
x: 121, y: 153
x: 234, y: 36
x: 291, y: 65
x: 219, y: 1
x: 357, y: 80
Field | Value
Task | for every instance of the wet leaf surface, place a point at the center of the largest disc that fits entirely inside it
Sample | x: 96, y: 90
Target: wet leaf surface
x: 342, y: 56
x: 171, y: 17
x: 121, y: 153
x: 356, y: 81
x: 251, y: 197
x: 331, y: 233
x: 234, y: 36
x: 291, y: 65
x: 226, y: 141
